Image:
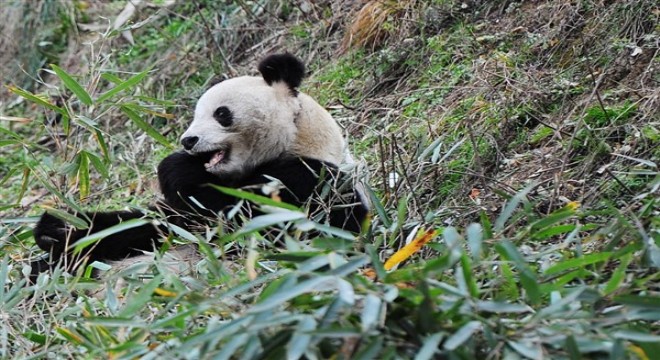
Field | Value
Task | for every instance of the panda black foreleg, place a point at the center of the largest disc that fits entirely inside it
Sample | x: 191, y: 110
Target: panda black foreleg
x: 304, y: 179
x: 181, y: 176
x: 185, y: 182
x: 58, y: 238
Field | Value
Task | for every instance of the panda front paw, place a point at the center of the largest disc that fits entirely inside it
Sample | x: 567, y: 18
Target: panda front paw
x: 50, y: 234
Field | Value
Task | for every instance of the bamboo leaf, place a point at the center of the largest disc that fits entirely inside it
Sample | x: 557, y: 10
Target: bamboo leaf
x: 555, y: 217
x: 553, y: 230
x: 114, y: 321
x: 371, y: 349
x: 502, y: 307
x: 335, y: 231
x: 511, y: 206
x: 474, y: 233
x: 429, y: 347
x: 9, y: 142
x: 98, y: 164
x: 264, y: 221
x: 380, y: 209
x: 144, y: 126
x: 37, y: 100
x: 470, y: 284
x: 132, y: 81
x: 72, y: 85
x: 70, y: 335
x: 83, y: 174
x: 486, y: 225
x: 531, y: 286
x: 94, y: 237
x: 229, y: 349
x: 104, y: 147
x: 636, y: 336
x: 77, y: 222
x: 572, y: 348
x: 578, y: 262
x: 527, y: 349
x: 301, y: 338
x: 143, y: 296
x: 255, y: 198
x: 618, y: 275
x: 648, y: 302
x: 112, y: 78
x: 60, y: 196
x: 527, y: 278
x: 462, y: 335
x: 285, y: 294
x: 352, y: 265
x: 370, y: 312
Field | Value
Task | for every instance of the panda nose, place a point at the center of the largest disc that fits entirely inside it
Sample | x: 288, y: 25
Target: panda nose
x: 189, y: 141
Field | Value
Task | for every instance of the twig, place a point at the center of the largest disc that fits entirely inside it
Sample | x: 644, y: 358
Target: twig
x: 382, y: 166
x: 477, y: 158
x: 556, y: 129
x: 578, y: 127
x: 226, y: 63
x: 593, y: 80
x: 406, y: 169
x: 609, y: 172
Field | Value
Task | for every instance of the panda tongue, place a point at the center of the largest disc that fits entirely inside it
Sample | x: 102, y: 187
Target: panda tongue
x: 215, y: 159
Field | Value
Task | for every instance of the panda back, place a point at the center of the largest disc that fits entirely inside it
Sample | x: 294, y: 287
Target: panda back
x: 319, y: 136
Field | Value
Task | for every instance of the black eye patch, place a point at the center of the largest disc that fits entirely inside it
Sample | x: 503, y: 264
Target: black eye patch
x: 223, y: 116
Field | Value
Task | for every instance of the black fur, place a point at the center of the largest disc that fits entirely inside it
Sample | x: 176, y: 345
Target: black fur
x: 223, y: 116
x: 181, y: 177
x: 283, y: 67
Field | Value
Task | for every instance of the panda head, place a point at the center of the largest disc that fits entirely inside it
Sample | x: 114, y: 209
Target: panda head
x: 245, y: 121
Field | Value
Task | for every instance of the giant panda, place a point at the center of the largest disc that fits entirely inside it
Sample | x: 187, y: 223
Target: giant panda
x: 246, y: 132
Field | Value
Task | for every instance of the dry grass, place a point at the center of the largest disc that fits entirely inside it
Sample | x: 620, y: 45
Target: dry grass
x: 21, y: 55
x: 454, y: 107
x: 373, y: 24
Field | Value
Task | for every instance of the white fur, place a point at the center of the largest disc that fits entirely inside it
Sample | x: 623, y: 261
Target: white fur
x: 319, y: 136
x: 269, y: 121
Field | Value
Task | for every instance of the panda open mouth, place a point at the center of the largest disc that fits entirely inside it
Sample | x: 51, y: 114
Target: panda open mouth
x: 215, y: 157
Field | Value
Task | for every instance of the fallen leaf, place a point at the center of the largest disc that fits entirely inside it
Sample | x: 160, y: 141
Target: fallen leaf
x: 369, y: 273
x: 474, y: 194
x: 638, y: 351
x: 408, y: 250
x: 14, y: 118
x: 573, y: 205
x: 165, y: 293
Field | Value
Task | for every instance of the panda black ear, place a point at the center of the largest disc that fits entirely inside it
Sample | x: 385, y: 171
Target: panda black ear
x: 282, y: 67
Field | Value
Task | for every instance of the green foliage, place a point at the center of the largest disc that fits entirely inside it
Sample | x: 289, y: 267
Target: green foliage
x: 540, y: 133
x: 79, y: 166
x: 518, y: 269
x: 335, y: 83
x: 598, y: 116
x: 465, y: 300
x: 300, y: 31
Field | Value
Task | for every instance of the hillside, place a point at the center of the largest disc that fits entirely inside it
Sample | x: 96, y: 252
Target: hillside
x: 516, y: 142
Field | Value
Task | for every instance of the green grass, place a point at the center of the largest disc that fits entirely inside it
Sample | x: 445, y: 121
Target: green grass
x: 341, y: 77
x: 597, y: 116
x: 555, y: 255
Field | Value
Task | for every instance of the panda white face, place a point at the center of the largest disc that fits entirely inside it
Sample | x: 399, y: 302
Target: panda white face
x: 242, y: 122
